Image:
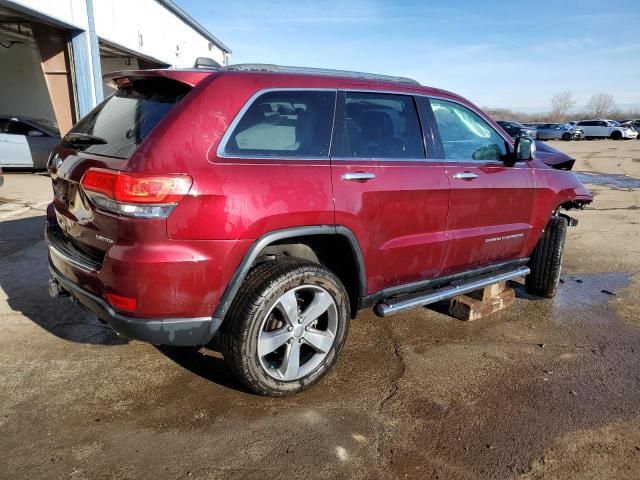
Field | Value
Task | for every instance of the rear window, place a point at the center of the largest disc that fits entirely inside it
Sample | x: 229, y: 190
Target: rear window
x: 127, y: 117
x: 285, y: 123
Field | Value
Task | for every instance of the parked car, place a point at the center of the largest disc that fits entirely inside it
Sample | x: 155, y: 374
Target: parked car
x: 559, y: 131
x: 635, y: 124
x: 270, y: 204
x: 515, y: 129
x: 606, y: 129
x: 26, y: 142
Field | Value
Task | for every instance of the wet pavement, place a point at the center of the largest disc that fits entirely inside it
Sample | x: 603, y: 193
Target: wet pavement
x: 608, y: 180
x: 546, y: 389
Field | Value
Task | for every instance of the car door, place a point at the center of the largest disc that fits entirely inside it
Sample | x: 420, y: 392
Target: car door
x: 544, y: 132
x: 491, y: 203
x: 386, y: 192
x: 603, y: 129
x: 589, y: 127
x: 40, y: 146
x: 14, y: 149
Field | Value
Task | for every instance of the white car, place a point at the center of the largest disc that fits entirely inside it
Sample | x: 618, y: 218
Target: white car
x: 605, y: 129
x: 26, y: 142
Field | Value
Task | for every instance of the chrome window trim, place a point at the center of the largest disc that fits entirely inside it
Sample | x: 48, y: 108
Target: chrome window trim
x: 389, y: 159
x: 438, y: 97
x: 220, y: 151
x: 444, y: 99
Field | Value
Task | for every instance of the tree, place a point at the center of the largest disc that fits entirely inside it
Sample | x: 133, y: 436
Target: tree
x: 561, y: 103
x: 600, y: 105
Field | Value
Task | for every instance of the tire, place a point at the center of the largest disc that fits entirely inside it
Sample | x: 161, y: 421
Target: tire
x: 566, y: 137
x: 616, y: 135
x: 546, y: 260
x: 259, y: 319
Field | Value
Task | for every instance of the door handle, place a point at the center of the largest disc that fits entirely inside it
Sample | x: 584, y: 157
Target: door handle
x: 358, y: 176
x: 465, y: 176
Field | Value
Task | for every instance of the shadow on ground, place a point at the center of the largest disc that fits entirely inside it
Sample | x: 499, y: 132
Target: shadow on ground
x: 204, y: 362
x: 24, y: 274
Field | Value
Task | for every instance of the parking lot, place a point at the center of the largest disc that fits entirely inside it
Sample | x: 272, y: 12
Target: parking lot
x: 546, y: 389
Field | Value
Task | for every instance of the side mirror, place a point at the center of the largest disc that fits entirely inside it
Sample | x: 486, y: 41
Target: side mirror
x: 524, y: 149
x: 35, y: 133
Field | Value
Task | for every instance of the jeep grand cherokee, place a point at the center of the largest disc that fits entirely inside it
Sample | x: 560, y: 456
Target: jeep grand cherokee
x: 270, y: 204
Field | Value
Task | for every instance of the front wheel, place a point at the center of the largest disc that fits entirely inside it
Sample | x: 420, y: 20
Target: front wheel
x: 566, y: 137
x: 546, y: 260
x: 286, y: 326
x: 616, y: 135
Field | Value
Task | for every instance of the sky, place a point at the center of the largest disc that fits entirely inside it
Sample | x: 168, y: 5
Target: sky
x: 497, y: 54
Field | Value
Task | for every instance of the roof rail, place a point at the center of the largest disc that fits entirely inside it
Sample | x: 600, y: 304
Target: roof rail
x: 265, y: 67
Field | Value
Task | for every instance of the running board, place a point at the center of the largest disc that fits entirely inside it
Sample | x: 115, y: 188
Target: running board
x: 400, y: 304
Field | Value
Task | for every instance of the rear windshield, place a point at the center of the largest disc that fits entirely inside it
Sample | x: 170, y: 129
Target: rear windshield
x: 125, y: 119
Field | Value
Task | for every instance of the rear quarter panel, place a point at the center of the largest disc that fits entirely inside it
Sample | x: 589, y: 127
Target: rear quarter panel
x: 234, y: 198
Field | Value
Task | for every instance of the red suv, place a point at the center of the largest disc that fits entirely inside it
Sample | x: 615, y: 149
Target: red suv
x: 270, y: 204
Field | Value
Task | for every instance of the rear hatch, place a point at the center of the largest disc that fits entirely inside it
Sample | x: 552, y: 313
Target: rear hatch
x: 105, y: 139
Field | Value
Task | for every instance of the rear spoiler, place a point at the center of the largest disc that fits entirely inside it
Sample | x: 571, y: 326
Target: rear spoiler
x: 186, y: 77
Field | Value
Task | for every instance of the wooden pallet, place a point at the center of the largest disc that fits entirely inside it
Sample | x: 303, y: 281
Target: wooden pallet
x: 481, y: 303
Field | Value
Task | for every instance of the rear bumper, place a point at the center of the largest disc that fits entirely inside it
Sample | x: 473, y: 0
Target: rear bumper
x: 161, y: 331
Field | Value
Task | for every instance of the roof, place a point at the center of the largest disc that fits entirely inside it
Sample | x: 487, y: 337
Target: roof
x: 270, y: 68
x: 192, y: 76
x: 189, y: 20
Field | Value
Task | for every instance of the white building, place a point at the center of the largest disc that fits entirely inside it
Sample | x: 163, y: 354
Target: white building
x: 53, y: 53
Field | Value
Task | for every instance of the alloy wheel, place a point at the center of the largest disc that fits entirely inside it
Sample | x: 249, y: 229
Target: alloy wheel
x: 297, y: 333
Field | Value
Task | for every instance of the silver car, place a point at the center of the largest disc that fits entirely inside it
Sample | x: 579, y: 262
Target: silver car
x: 26, y: 142
x: 559, y: 131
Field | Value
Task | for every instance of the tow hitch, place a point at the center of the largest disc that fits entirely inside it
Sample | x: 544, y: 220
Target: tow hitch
x: 56, y: 290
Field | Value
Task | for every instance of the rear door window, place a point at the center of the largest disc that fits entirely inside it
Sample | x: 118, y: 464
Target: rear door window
x: 127, y: 117
x: 284, y: 124
x: 465, y: 135
x: 380, y: 125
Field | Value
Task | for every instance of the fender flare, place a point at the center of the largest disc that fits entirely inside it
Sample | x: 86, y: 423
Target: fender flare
x: 287, y: 233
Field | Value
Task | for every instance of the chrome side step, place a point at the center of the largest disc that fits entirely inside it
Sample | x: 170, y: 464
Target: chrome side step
x: 392, y: 306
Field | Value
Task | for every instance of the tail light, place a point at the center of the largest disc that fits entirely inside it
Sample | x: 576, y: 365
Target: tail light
x: 127, y: 304
x: 134, y: 194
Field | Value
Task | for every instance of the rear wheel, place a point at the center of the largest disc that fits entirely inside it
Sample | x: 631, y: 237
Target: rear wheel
x: 286, y: 326
x: 616, y: 135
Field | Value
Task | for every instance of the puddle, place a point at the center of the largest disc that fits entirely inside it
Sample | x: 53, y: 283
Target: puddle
x: 582, y: 299
x: 614, y: 180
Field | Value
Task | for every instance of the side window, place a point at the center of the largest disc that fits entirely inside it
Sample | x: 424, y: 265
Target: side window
x: 380, y: 125
x: 465, y: 135
x: 285, y: 123
x: 17, y: 128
